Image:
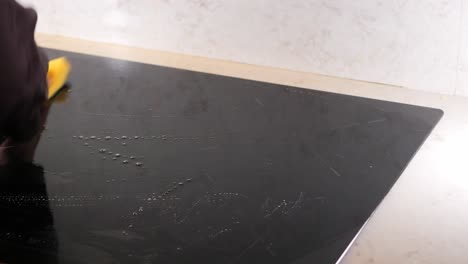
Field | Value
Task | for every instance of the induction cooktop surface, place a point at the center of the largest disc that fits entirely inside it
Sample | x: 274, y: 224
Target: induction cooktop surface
x: 147, y: 164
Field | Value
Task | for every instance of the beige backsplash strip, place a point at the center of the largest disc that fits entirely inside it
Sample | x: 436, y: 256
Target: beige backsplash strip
x: 226, y: 68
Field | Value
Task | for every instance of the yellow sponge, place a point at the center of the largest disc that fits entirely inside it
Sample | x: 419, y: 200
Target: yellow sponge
x: 57, y: 75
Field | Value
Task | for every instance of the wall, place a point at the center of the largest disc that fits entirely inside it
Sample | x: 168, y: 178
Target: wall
x: 410, y: 43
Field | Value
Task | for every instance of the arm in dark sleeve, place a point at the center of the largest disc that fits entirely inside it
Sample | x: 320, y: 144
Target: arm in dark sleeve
x: 23, y: 68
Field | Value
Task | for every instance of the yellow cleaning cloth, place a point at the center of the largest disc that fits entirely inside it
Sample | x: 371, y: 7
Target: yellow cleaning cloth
x: 57, y: 75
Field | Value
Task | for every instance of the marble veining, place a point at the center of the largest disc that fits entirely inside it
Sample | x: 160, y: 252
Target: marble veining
x: 408, y: 43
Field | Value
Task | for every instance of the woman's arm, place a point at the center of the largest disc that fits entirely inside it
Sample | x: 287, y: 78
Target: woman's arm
x: 23, y: 71
x: 23, y: 84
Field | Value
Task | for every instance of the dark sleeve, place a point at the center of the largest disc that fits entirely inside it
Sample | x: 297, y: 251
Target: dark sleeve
x: 23, y: 68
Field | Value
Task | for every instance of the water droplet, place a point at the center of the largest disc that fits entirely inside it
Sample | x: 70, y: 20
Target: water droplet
x: 93, y: 137
x: 131, y: 157
x: 114, y: 158
x: 139, y: 164
x: 125, y: 161
x: 163, y: 137
x: 86, y: 144
x: 189, y: 180
x: 86, y: 138
x: 124, y: 137
x: 107, y: 137
x: 74, y: 136
x: 117, y: 155
x: 110, y: 152
x: 181, y: 183
x: 102, y: 150
x: 80, y: 137
x: 124, y: 144
x: 136, y: 137
x: 130, y: 226
x: 103, y: 158
x: 149, y: 199
x: 107, y: 181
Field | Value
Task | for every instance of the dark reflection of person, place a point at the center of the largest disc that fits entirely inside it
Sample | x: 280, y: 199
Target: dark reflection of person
x: 26, y: 224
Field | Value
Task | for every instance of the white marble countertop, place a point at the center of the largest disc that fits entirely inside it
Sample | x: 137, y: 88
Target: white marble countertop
x: 423, y: 218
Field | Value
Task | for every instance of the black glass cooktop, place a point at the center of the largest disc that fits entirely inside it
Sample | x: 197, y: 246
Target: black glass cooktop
x: 146, y: 164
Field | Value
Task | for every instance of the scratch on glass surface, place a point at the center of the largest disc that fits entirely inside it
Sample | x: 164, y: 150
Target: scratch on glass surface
x: 335, y: 172
x: 255, y: 242
x: 282, y: 204
x: 222, y: 231
x: 376, y: 121
x: 189, y: 211
x: 299, y: 201
x: 260, y: 103
x: 296, y: 204
x: 266, y: 204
